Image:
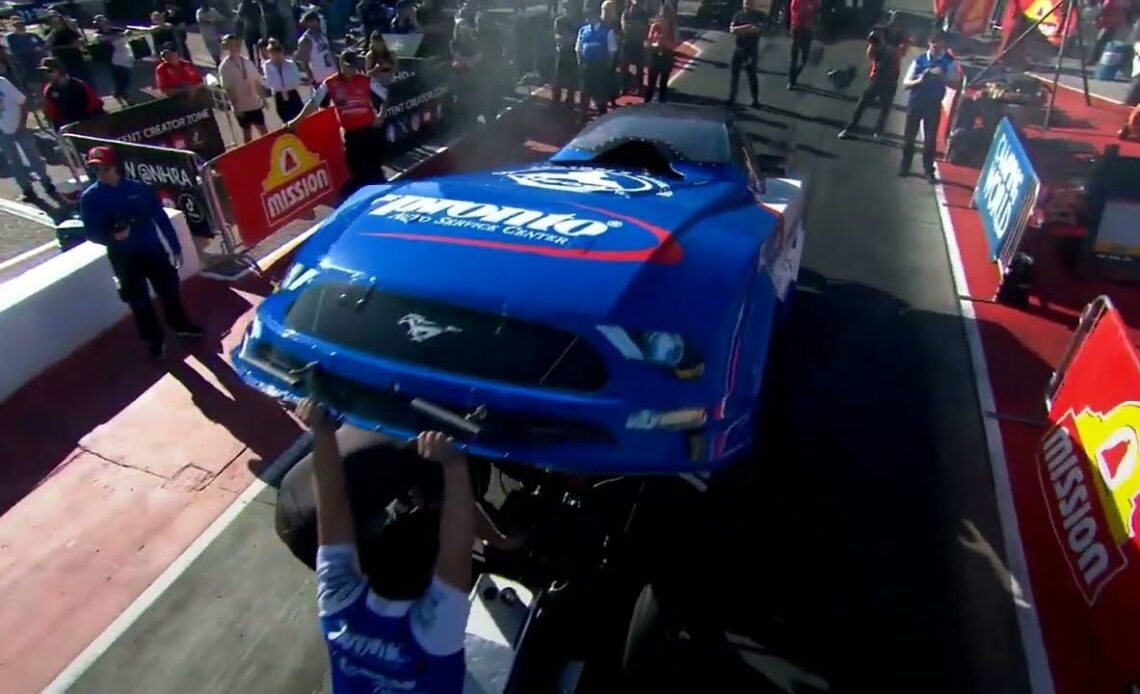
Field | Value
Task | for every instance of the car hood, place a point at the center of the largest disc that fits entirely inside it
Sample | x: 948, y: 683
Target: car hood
x: 546, y: 241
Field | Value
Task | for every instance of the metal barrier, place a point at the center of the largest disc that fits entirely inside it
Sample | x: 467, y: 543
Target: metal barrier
x: 1090, y: 317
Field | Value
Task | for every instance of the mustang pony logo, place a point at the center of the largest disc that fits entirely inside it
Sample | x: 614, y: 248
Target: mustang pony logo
x: 421, y: 329
x: 584, y: 180
x: 1098, y: 450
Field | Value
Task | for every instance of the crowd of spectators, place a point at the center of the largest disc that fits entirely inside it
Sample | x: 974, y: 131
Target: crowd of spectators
x: 604, y: 51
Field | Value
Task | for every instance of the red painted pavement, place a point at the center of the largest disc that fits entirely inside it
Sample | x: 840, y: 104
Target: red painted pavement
x: 1022, y: 347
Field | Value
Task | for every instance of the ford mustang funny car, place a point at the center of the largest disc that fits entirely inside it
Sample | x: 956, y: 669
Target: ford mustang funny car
x: 608, y: 310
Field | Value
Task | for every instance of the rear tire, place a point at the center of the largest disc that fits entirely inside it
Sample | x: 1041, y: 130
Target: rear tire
x: 649, y: 642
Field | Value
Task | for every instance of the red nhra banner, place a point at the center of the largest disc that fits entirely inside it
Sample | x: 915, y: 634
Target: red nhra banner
x: 1089, y: 470
x: 284, y: 175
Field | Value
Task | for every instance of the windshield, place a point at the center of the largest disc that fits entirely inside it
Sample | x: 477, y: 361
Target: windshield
x: 688, y: 139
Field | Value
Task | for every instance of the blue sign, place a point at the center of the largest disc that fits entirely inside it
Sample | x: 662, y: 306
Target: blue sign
x: 1006, y: 193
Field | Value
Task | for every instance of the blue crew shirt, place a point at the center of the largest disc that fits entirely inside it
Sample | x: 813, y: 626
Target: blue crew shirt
x: 381, y: 646
x: 102, y: 207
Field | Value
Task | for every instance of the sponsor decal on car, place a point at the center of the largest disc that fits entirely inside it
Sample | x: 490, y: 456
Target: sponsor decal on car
x: 587, y: 180
x: 1089, y: 473
x: 297, y: 176
x: 586, y: 234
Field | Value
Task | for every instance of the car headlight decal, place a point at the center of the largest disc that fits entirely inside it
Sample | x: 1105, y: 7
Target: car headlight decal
x: 660, y: 348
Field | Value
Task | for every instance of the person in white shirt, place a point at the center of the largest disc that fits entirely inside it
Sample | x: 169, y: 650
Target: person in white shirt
x: 17, y: 142
x: 313, y: 51
x: 211, y: 24
x: 242, y: 82
x: 122, y: 61
x: 283, y: 79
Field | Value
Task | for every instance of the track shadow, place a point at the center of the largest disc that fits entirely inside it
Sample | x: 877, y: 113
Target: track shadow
x: 855, y: 513
x: 42, y: 423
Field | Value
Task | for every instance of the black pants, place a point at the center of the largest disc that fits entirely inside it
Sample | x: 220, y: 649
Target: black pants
x: 288, y: 104
x: 134, y: 270
x: 929, y: 115
x: 251, y: 40
x: 660, y: 65
x: 801, y: 47
x: 880, y: 91
x: 597, y: 82
x: 1103, y: 36
x: 633, y: 55
x: 121, y: 78
x: 744, y: 59
x: 774, y: 10
x: 565, y: 75
x: 364, y: 154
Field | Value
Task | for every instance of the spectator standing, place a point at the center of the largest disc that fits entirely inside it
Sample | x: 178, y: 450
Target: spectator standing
x: 283, y: 79
x: 26, y: 50
x: 926, y: 80
x: 380, y: 62
x: 566, y: 26
x: 635, y: 31
x: 662, y: 43
x: 466, y: 61
x: 211, y: 25
x: 274, y: 21
x: 885, y: 50
x: 596, y: 47
x: 411, y: 594
x: 494, y: 67
x: 612, y: 17
x: 67, y: 99
x: 17, y: 142
x: 66, y: 45
x: 745, y: 26
x: 175, y: 18
x: 122, y: 61
x: 173, y: 75
x: 803, y: 15
x: 161, y: 32
x: 126, y: 217
x: 373, y: 16
x: 242, y: 81
x: 359, y: 102
x: 314, y: 55
x: 250, y: 20
x: 405, y: 19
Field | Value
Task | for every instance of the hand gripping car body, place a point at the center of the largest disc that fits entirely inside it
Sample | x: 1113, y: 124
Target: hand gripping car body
x: 609, y: 310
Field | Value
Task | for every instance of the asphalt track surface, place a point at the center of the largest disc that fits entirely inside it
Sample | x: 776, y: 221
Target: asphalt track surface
x: 871, y: 559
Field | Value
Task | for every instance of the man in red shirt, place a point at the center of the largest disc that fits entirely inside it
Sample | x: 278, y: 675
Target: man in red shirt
x: 174, y: 75
x: 359, y: 103
x: 802, y: 14
x: 885, y: 49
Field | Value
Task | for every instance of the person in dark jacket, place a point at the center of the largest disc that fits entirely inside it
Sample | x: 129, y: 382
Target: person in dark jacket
x: 66, y: 45
x: 67, y: 99
x: 566, y: 27
x: 745, y: 27
x: 126, y: 217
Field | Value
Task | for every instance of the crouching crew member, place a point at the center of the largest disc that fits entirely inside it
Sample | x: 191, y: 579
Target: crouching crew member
x: 359, y: 102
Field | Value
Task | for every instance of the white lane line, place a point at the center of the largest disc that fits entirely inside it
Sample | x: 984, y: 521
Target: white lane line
x: 1032, y: 643
x: 1079, y: 90
x: 26, y: 255
x: 143, y: 602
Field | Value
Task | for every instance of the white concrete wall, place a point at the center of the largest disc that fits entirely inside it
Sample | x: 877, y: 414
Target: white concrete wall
x: 55, y: 308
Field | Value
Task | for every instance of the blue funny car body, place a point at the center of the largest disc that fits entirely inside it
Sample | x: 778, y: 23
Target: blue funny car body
x: 608, y: 310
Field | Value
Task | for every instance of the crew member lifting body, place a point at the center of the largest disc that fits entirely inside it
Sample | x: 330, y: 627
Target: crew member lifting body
x: 926, y: 79
x: 411, y: 598
x: 358, y: 101
x: 126, y: 217
x: 745, y: 26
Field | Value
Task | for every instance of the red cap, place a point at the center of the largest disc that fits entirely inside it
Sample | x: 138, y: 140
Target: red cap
x: 101, y: 156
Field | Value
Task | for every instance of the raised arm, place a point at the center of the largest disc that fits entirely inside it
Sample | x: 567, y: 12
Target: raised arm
x: 457, y: 518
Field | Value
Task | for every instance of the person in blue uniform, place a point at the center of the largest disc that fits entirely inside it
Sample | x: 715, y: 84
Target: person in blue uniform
x: 926, y: 80
x: 127, y: 217
x: 399, y: 623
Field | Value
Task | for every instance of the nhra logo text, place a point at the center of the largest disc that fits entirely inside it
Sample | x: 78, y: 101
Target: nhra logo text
x: 585, y: 180
x: 1090, y: 476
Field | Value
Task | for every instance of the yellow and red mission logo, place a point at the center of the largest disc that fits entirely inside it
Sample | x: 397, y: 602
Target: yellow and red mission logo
x: 298, y: 179
x: 1091, y: 480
